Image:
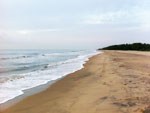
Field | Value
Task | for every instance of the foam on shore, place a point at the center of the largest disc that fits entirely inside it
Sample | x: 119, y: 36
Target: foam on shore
x: 14, y: 86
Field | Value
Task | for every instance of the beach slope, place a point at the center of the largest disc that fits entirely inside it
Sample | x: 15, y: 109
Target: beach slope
x: 112, y: 82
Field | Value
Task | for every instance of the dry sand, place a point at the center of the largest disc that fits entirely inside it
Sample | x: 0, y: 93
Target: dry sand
x: 113, y: 82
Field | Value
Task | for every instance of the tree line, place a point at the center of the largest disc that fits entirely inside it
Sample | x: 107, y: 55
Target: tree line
x: 134, y: 46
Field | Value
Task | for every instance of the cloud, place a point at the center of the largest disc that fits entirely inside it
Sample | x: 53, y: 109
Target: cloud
x: 25, y: 32
x: 106, y: 18
x: 144, y: 19
x: 137, y: 15
x: 93, y: 21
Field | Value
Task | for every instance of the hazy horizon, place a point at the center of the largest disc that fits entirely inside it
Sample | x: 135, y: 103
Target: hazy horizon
x: 79, y: 24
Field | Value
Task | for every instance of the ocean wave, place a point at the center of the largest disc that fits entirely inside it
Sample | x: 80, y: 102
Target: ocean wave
x: 11, y: 78
x: 22, y: 68
x: 17, y: 57
x: 14, y: 85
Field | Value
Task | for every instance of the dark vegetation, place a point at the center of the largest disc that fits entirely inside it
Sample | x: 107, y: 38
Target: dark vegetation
x: 134, y: 46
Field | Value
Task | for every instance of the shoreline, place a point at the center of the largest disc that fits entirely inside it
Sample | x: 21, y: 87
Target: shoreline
x: 35, y: 90
x: 112, y: 82
x: 26, y: 93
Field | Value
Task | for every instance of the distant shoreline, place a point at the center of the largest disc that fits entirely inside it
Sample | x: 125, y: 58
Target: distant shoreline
x: 129, y: 47
x: 112, y: 82
x: 34, y: 90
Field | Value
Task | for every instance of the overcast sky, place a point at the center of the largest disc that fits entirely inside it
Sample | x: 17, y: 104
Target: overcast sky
x: 72, y: 24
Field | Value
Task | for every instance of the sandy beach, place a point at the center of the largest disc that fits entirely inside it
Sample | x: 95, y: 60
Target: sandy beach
x: 112, y: 82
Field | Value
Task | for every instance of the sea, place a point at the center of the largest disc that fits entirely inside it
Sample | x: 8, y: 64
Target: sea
x: 25, y: 69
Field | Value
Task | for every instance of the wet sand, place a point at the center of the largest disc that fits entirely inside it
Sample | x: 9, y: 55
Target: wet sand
x: 113, y: 82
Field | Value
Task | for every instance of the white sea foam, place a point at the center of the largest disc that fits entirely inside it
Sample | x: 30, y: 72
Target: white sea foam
x: 14, y: 87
